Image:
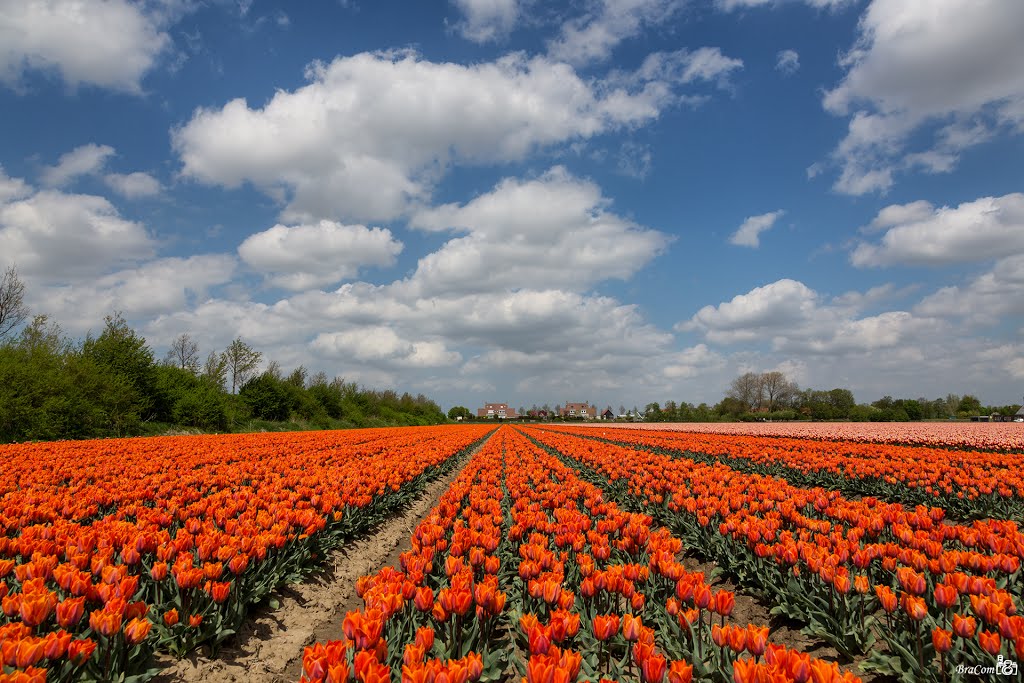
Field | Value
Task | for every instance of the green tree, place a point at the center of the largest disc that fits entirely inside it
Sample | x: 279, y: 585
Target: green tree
x: 127, y: 359
x: 969, y: 406
x: 913, y: 409
x: 841, y: 401
x: 190, y: 401
x: 297, y: 377
x: 459, y: 411
x: 952, y: 402
x: 215, y: 369
x: 266, y: 397
x: 240, y: 362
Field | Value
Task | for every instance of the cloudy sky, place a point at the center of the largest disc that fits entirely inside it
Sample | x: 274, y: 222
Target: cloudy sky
x: 617, y: 201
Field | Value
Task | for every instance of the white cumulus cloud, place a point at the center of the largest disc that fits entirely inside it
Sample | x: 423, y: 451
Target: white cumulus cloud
x: 749, y: 232
x: 794, y: 318
x: 105, y: 43
x: 12, y: 188
x: 920, y: 234
x: 487, y: 20
x: 305, y: 256
x: 85, y: 160
x: 346, y: 147
x: 382, y: 345
x: 551, y: 232
x: 60, y: 237
x: 787, y: 61
x: 593, y: 36
x: 133, y: 185
x: 156, y: 287
x: 952, y: 63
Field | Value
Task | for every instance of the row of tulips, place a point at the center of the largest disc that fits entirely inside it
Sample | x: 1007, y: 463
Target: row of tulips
x: 165, y: 543
x: 525, y: 570
x: 966, y: 484
x: 853, y: 571
x: 1005, y: 437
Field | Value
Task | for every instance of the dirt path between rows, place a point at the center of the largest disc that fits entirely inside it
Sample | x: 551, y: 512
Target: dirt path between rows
x: 268, y: 647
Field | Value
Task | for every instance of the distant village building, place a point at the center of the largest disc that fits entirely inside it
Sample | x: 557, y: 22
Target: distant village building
x: 499, y: 411
x: 608, y: 415
x: 578, y: 410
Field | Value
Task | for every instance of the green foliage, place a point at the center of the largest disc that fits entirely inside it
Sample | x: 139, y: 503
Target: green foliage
x: 266, y: 397
x: 969, y: 406
x: 109, y: 385
x: 459, y: 411
x: 50, y: 389
x: 190, y: 401
x: 128, y: 363
x: 240, y: 362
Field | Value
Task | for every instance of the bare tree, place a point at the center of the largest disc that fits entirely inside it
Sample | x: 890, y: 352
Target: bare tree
x: 747, y: 389
x: 13, y: 311
x: 184, y: 354
x: 776, y: 389
x: 241, y: 361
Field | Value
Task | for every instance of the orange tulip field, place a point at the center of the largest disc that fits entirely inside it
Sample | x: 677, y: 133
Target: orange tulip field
x: 556, y: 554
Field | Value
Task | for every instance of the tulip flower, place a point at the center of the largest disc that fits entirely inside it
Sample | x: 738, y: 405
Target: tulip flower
x: 605, y: 626
x: 946, y: 596
x: 990, y: 642
x: 136, y: 630
x: 680, y: 672
x: 964, y: 626
x: 80, y: 651
x: 70, y: 611
x: 942, y: 640
x: 757, y: 639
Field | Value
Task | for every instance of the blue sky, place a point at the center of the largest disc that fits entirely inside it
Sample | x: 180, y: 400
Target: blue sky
x: 617, y: 201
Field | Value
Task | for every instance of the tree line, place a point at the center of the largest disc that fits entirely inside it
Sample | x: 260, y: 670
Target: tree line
x: 773, y: 396
x: 111, y: 385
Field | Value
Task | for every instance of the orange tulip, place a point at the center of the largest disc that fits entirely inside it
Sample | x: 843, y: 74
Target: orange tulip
x: 680, y: 672
x: 653, y: 669
x: 724, y: 603
x: 887, y: 598
x: 990, y: 642
x: 942, y: 639
x: 70, y: 611
x: 946, y: 596
x: 29, y: 652
x: 136, y: 630
x: 80, y: 651
x: 104, y: 622
x: 964, y: 626
x: 757, y: 639
x: 605, y: 626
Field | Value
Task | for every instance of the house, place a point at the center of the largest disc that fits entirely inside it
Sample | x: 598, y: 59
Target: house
x: 578, y: 410
x: 608, y: 415
x: 499, y: 411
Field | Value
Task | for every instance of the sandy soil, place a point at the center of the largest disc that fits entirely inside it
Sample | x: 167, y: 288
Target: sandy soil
x: 268, y: 648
